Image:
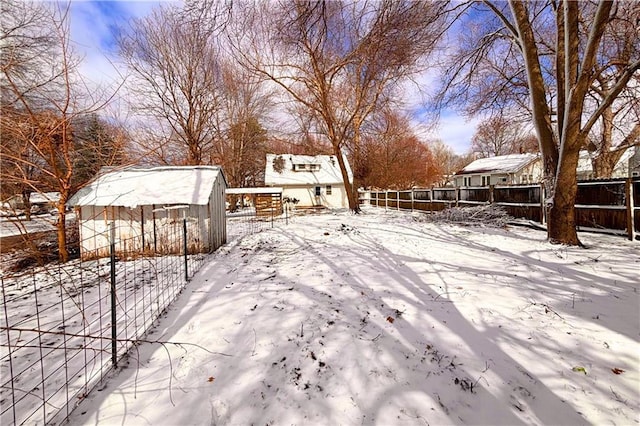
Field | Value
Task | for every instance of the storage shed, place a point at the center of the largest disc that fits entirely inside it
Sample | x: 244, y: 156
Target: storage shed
x: 146, y: 208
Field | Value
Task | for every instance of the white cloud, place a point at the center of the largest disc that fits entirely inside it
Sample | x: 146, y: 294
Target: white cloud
x: 93, y: 29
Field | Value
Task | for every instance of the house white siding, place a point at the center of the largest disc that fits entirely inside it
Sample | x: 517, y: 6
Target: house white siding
x: 312, y: 180
x: 306, y: 195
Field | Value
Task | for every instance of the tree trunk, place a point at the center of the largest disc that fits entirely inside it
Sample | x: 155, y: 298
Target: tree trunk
x: 63, y: 253
x: 348, y: 186
x: 561, y: 221
x: 605, y: 162
x: 26, y: 201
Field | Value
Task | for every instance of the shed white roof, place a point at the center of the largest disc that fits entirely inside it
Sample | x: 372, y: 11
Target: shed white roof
x: 328, y: 174
x: 500, y: 164
x: 134, y: 187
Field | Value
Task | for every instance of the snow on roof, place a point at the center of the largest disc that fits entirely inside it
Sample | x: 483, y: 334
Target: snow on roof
x: 501, y: 164
x: 134, y: 187
x: 44, y: 197
x: 329, y: 172
x: 585, y: 164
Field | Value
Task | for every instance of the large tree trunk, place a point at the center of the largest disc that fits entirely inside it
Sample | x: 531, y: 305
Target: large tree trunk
x: 561, y: 219
x: 352, y: 194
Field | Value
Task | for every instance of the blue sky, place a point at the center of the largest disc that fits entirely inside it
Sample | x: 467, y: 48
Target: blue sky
x: 94, y: 25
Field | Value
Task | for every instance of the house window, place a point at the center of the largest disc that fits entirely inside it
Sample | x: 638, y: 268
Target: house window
x: 301, y: 166
x: 317, y: 191
x: 486, y: 180
x: 328, y: 189
x: 524, y: 178
x: 466, y: 181
x: 314, y: 167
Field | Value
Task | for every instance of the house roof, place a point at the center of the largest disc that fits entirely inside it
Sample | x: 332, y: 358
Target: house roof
x: 586, y: 166
x: 44, y: 197
x: 328, y: 174
x: 134, y: 187
x: 511, y: 163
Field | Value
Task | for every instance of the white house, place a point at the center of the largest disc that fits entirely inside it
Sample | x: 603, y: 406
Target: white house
x: 147, y: 207
x: 501, y: 170
x: 312, y: 180
x: 627, y: 165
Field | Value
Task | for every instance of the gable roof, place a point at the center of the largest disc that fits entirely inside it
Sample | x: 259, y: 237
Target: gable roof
x: 134, y: 187
x: 586, y: 166
x: 44, y: 197
x: 328, y: 174
x: 511, y: 163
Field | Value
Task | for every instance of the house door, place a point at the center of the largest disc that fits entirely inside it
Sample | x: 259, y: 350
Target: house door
x: 318, y: 192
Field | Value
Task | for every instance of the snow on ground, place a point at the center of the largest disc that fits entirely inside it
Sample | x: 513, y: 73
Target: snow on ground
x: 383, y: 319
x: 39, y: 223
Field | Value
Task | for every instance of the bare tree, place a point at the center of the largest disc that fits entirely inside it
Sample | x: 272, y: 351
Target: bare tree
x: 177, y: 79
x: 340, y: 60
x: 43, y: 97
x: 544, y: 58
x: 501, y: 136
x: 445, y: 163
x: 241, y: 147
x: 393, y: 156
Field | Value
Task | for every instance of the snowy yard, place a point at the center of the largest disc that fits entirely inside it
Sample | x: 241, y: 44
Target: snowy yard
x: 383, y: 319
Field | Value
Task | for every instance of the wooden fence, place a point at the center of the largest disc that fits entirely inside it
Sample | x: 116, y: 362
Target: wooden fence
x: 602, y: 205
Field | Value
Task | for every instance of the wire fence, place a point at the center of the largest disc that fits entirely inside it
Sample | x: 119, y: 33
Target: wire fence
x: 249, y: 220
x: 66, y: 326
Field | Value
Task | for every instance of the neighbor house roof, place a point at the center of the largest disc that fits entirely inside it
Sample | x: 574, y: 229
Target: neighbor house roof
x: 511, y: 163
x: 44, y: 197
x: 328, y: 173
x: 134, y: 187
x: 585, y: 164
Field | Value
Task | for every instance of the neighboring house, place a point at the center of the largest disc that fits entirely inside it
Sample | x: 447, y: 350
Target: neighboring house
x: 44, y: 201
x: 628, y: 163
x: 501, y: 170
x: 312, y: 180
x: 634, y: 163
x: 41, y: 202
x: 148, y: 206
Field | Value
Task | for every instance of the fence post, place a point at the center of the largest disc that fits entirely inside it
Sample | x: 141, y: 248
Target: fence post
x: 412, y: 189
x: 431, y: 200
x: 491, y: 194
x: 628, y: 189
x: 114, y: 335
x: 184, y: 247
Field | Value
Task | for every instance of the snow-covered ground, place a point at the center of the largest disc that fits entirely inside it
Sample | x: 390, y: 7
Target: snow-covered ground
x: 382, y: 318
